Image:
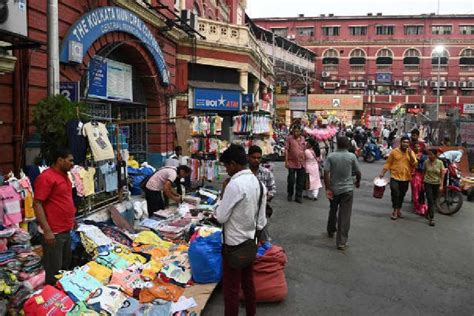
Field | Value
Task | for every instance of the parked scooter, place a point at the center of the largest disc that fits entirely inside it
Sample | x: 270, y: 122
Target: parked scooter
x: 371, y: 151
x: 451, y: 199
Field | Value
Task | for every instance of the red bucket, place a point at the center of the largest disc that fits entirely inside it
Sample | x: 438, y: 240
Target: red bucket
x: 378, y: 191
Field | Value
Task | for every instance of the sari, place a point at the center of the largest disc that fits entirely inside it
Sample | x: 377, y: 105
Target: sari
x: 417, y: 188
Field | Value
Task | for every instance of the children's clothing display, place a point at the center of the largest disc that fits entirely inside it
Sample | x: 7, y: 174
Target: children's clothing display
x: 252, y: 123
x: 99, y: 142
x: 76, y: 140
x: 49, y: 301
x: 111, y: 177
x: 204, y: 169
x: 87, y: 178
x: 206, y: 125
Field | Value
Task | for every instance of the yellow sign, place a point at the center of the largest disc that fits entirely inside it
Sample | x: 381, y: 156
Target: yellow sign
x: 282, y: 101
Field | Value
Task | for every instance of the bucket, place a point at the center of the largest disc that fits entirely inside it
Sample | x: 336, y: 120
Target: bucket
x: 379, y: 187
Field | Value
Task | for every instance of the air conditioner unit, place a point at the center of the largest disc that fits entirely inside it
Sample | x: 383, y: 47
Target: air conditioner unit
x: 424, y: 83
x: 361, y: 84
x: 13, y: 16
x: 353, y: 85
x: 407, y: 83
x: 343, y: 82
x: 325, y: 74
x: 290, y: 37
x: 443, y: 84
x: 337, y: 84
x: 463, y: 84
x: 470, y: 84
x: 322, y: 84
x: 371, y: 82
x: 452, y: 84
x: 398, y: 83
x: 434, y: 84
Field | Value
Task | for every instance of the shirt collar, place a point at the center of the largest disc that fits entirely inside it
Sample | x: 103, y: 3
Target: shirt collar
x: 238, y: 174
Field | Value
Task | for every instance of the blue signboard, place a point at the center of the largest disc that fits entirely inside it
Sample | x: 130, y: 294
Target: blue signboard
x: 384, y: 78
x: 69, y: 89
x: 97, y: 78
x: 247, y: 99
x: 104, y: 20
x: 298, y: 103
x: 216, y: 100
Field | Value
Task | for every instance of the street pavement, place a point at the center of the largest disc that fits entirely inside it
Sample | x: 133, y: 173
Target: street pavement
x: 402, y: 267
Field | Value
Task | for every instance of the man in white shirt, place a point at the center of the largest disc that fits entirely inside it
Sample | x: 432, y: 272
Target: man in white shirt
x: 452, y: 155
x: 241, y: 215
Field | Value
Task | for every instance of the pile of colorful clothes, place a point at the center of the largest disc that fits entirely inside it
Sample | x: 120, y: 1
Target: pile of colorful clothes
x: 21, y: 271
x: 126, y: 274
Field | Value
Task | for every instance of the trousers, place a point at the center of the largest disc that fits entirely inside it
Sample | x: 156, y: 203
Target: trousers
x: 232, y: 280
x: 154, y: 201
x: 340, y: 212
x: 298, y: 177
x: 57, y: 256
x: 398, y: 189
x: 432, y: 191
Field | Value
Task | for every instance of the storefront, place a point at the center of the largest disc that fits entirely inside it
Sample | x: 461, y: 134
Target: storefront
x: 342, y: 107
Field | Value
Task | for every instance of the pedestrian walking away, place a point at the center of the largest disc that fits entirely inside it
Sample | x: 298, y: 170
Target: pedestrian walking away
x: 400, y: 163
x: 241, y: 210
x: 294, y: 162
x: 339, y: 168
x: 433, y: 172
x: 56, y: 214
x: 313, y: 179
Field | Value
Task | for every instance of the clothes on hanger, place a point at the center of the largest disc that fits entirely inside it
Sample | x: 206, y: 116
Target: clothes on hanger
x: 99, y: 142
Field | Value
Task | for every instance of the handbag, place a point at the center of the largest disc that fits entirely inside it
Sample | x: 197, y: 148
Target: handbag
x: 243, y: 255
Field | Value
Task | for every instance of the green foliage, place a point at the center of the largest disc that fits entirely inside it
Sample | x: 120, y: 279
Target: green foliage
x: 49, y: 117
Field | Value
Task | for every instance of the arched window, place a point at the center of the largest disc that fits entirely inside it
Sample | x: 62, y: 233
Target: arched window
x: 442, y: 58
x: 384, y: 57
x: 330, y: 57
x: 467, y: 57
x: 411, y: 57
x: 357, y: 57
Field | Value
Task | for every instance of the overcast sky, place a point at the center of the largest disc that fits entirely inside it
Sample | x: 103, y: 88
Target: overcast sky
x: 289, y: 8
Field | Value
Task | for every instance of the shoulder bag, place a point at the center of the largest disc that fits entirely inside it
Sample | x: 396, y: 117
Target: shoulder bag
x: 243, y: 255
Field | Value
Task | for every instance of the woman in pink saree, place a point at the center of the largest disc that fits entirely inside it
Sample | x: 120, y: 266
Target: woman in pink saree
x: 417, y: 191
x: 312, y: 155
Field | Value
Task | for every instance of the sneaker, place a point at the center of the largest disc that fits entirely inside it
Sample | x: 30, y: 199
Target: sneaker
x: 431, y: 223
x: 341, y: 247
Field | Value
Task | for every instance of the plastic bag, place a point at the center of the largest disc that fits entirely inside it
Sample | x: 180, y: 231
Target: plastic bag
x: 205, y: 257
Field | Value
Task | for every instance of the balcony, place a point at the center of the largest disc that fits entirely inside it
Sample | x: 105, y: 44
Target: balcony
x: 234, y: 37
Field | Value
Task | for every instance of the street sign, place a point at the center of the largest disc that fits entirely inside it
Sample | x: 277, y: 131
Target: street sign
x: 70, y: 90
x: 468, y: 108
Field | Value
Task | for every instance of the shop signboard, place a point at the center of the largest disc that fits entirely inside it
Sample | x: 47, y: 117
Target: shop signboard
x: 466, y: 130
x: 110, y: 80
x: 468, y: 108
x: 383, y: 78
x: 70, y: 89
x: 282, y: 101
x: 335, y: 102
x: 298, y: 103
x: 100, y: 21
x: 247, y: 100
x: 216, y: 100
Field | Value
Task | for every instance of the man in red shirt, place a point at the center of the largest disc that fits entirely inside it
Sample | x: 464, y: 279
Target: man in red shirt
x: 294, y: 162
x: 56, y: 213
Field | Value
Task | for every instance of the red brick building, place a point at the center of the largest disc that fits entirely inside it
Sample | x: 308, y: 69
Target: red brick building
x: 388, y: 59
x: 148, y: 40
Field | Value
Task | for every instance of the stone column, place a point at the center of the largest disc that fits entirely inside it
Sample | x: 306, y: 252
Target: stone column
x: 244, y: 78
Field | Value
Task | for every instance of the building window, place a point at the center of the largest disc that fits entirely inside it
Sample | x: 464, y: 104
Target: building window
x: 384, y: 29
x: 330, y: 57
x: 411, y: 58
x: 305, y: 31
x: 281, y: 31
x: 330, y: 30
x: 384, y: 57
x: 357, y: 30
x: 413, y: 29
x: 466, y: 29
x: 357, y: 57
x: 442, y: 58
x: 441, y: 29
x: 467, y: 57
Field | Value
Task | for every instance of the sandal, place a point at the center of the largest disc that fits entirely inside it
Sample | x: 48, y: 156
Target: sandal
x: 393, y: 217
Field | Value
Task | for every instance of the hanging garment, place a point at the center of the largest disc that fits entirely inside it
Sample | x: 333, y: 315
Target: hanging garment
x: 98, y: 140
x: 87, y: 177
x: 10, y: 207
x: 109, y: 170
x: 76, y: 140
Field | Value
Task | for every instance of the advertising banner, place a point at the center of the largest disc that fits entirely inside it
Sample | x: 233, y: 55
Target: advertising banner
x: 335, y: 102
x: 468, y: 108
x: 110, y: 80
x: 217, y: 100
x: 298, y: 103
x: 282, y: 101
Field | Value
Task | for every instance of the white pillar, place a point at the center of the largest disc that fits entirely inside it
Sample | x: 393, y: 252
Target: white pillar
x: 53, y: 48
x: 244, y: 80
x: 182, y: 5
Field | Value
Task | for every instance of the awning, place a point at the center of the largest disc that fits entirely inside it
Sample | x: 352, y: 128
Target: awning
x: 214, y: 85
x: 18, y: 41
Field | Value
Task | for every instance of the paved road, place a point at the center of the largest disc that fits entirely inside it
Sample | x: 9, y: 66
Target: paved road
x: 402, y: 267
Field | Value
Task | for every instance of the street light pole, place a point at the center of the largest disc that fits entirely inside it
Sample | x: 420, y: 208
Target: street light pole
x: 438, y: 87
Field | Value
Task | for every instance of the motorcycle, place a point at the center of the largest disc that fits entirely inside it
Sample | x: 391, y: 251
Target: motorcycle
x: 371, y: 152
x: 451, y: 199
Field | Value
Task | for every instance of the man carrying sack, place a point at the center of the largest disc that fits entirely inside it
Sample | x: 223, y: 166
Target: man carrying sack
x: 242, y: 211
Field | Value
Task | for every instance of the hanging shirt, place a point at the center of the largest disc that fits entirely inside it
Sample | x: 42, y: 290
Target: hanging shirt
x: 54, y: 190
x: 76, y: 140
x: 111, y: 178
x: 98, y: 141
x: 87, y: 177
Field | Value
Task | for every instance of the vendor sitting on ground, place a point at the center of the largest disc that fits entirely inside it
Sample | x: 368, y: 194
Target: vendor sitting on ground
x: 161, y: 183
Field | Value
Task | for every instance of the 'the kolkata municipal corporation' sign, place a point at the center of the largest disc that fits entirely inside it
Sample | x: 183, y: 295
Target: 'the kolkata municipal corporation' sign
x: 104, y: 20
x: 216, y: 100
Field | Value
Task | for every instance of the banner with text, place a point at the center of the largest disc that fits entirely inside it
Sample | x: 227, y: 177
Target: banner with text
x: 335, y: 102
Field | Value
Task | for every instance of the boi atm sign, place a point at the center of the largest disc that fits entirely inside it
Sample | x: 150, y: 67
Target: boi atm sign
x: 217, y: 100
